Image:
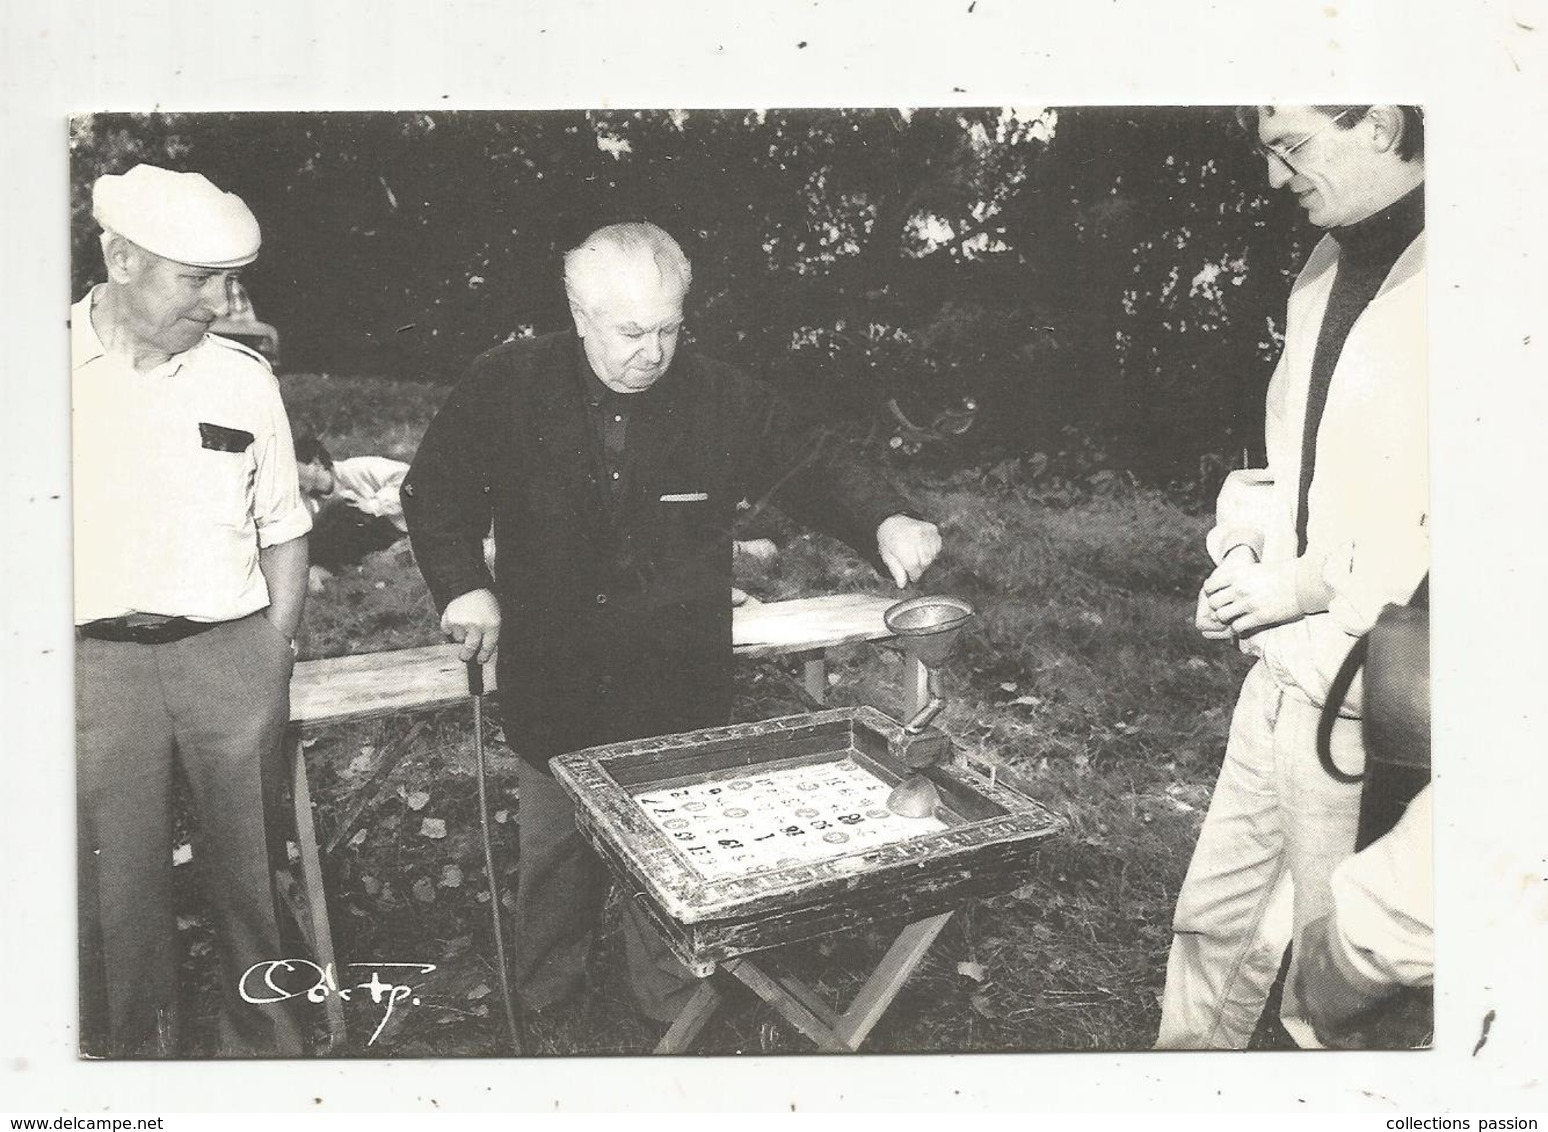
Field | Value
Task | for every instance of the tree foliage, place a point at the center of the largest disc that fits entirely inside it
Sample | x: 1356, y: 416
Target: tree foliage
x: 968, y: 284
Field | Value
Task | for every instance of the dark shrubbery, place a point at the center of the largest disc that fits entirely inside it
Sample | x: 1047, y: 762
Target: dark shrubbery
x: 954, y: 287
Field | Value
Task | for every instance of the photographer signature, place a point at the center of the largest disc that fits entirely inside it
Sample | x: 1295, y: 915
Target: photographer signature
x: 258, y: 985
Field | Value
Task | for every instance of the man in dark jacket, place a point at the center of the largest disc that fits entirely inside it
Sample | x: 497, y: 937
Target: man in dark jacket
x: 611, y: 465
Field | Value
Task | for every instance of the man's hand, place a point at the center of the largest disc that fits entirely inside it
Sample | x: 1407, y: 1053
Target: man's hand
x: 317, y: 579
x: 473, y: 619
x: 907, y: 547
x: 1205, y: 621
x: 1249, y: 596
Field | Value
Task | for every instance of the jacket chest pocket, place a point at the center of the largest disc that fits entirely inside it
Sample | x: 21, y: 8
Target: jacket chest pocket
x: 685, y: 510
x: 688, y: 496
x: 682, y: 515
x: 221, y: 477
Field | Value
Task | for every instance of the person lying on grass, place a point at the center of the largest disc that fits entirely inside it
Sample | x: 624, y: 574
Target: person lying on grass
x: 355, y: 506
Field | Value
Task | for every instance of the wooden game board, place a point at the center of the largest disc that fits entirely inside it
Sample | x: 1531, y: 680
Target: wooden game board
x: 691, y: 822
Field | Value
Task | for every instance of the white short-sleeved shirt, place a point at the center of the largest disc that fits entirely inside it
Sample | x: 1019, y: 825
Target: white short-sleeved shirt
x: 371, y: 484
x: 181, y: 474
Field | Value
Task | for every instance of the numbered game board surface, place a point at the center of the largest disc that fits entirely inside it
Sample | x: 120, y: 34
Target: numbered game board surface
x: 743, y: 838
x: 770, y: 819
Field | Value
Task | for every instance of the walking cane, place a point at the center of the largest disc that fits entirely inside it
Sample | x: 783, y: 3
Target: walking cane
x: 476, y: 691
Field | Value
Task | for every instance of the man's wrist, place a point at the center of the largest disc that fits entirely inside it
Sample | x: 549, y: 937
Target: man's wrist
x: 1364, y: 991
x: 891, y: 515
x: 1224, y: 540
x: 1312, y: 592
x: 284, y: 626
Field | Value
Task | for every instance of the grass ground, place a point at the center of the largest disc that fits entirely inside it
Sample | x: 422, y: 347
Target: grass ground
x: 1082, y: 672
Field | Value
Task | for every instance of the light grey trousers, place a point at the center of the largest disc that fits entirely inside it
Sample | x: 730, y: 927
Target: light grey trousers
x: 216, y: 704
x: 1277, y: 826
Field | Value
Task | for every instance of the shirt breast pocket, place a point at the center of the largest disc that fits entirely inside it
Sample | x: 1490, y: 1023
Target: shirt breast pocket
x: 223, y: 474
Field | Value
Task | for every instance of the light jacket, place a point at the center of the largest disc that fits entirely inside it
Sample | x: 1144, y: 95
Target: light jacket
x: 1368, y: 509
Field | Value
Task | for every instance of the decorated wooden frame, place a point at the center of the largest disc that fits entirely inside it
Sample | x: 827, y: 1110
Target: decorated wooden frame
x: 991, y: 829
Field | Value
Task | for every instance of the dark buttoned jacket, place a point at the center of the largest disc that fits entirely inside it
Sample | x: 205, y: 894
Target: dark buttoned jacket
x: 615, y: 606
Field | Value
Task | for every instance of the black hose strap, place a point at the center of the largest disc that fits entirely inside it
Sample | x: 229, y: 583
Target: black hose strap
x: 1338, y: 692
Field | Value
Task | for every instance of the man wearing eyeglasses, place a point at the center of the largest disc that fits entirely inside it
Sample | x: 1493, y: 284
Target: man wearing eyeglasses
x: 190, y: 575
x: 1307, y: 551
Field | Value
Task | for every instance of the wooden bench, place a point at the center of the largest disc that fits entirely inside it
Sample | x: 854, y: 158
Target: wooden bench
x: 349, y: 689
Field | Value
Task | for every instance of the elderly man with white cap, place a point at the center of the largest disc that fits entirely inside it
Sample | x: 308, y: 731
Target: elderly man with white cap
x: 190, y: 575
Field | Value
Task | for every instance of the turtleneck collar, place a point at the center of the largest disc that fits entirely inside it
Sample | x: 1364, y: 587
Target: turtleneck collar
x: 1383, y: 235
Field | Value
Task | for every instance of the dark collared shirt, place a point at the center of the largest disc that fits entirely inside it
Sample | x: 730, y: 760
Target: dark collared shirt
x: 609, y: 412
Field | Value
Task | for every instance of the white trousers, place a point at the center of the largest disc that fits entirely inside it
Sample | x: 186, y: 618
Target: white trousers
x: 1277, y: 826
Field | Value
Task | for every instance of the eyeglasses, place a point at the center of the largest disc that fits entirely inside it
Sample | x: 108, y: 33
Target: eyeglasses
x: 1283, y: 154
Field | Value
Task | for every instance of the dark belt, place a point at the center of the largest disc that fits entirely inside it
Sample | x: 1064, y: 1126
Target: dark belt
x: 140, y: 630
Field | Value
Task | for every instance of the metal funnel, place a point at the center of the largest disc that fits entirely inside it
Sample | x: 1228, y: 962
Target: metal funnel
x: 928, y: 627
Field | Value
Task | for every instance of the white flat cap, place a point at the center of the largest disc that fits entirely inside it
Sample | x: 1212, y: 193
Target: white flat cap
x: 178, y: 216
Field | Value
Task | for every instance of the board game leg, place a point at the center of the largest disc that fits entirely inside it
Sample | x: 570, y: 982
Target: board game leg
x: 891, y: 973
x: 795, y: 1009
x: 685, y: 1028
x: 807, y: 997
